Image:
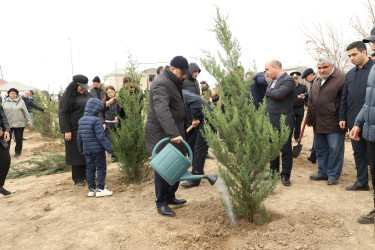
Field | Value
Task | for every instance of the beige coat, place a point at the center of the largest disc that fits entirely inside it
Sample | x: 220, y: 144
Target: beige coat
x: 16, y: 112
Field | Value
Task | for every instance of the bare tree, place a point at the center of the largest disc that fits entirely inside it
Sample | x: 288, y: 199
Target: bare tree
x: 362, y: 26
x: 326, y: 40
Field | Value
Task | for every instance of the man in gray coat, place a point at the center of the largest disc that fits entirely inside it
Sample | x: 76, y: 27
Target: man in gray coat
x: 166, y: 118
x: 191, y: 82
x: 280, y: 96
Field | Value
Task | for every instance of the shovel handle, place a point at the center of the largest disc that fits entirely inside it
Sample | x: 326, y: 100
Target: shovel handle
x: 189, y: 128
x: 303, y: 129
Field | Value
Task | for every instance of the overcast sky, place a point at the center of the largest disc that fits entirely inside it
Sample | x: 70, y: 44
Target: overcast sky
x: 35, y: 45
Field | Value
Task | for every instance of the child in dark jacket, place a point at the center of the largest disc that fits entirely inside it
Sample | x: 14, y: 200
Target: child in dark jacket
x: 93, y: 143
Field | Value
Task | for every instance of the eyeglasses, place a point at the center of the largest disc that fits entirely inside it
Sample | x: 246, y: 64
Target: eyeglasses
x: 323, y: 67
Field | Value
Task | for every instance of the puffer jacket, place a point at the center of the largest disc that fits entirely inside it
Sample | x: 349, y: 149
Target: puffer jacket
x: 91, y: 137
x: 366, y: 117
x: 16, y: 112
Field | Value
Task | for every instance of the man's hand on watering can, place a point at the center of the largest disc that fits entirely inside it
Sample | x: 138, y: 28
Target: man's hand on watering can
x: 177, y: 139
x: 195, y: 123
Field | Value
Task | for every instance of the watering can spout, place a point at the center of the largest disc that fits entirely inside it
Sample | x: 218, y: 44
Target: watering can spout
x: 188, y: 176
x: 212, y: 178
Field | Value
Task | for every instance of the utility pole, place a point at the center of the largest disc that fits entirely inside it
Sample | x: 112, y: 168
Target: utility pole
x: 1, y: 73
x: 71, y: 54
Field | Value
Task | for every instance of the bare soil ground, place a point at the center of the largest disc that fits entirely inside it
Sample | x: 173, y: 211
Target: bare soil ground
x: 48, y: 212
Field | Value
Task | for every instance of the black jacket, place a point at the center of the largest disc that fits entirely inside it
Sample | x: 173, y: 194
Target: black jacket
x: 354, y: 93
x: 258, y: 89
x: 30, y: 104
x: 194, y: 107
x: 190, y: 83
x: 167, y: 111
x: 68, y: 119
x: 280, y: 100
x: 4, y: 126
x: 97, y: 93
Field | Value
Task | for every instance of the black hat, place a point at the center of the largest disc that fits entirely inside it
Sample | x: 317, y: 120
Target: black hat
x: 203, y: 82
x: 13, y: 90
x: 295, y: 74
x: 181, y: 63
x: 371, y: 37
x: 96, y: 79
x: 307, y: 72
x: 81, y: 80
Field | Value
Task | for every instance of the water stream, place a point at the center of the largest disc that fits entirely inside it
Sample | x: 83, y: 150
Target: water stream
x: 225, y: 196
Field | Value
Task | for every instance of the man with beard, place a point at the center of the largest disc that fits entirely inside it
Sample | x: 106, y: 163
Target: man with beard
x: 352, y: 100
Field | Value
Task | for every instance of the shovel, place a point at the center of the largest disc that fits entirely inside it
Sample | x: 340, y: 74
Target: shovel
x: 298, y: 148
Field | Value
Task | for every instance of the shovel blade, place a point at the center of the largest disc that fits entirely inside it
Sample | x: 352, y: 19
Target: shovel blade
x: 297, y: 150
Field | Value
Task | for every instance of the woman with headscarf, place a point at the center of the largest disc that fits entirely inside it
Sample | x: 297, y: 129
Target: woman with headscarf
x: 16, y: 113
x: 71, y: 108
x: 4, y: 151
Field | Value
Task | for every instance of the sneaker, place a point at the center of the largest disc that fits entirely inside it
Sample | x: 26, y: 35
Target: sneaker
x: 79, y: 183
x: 91, y: 193
x: 210, y: 157
x: 367, y: 219
x: 5, y: 192
x: 104, y: 192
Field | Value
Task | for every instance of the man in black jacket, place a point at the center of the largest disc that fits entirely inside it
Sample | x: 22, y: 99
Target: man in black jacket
x: 280, y: 94
x: 191, y: 82
x: 352, y: 99
x: 298, y: 104
x: 30, y: 105
x: 310, y: 76
x: 166, y: 118
x: 195, y: 116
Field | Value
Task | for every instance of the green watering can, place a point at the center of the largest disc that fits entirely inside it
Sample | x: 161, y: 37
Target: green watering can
x: 172, y: 165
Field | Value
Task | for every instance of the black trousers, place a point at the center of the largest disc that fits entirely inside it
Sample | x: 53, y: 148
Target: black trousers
x: 18, y: 134
x: 164, y: 192
x: 287, y: 159
x: 371, y: 162
x: 4, y: 164
x: 199, y: 148
x: 298, y: 118
x: 78, y: 173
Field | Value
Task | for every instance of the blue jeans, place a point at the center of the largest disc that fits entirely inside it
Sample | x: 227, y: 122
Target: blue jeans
x: 96, y: 163
x: 360, y: 157
x: 329, y: 150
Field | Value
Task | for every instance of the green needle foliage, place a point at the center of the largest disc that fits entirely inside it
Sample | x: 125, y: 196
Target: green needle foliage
x: 129, y: 140
x: 246, y: 141
x: 47, y: 123
x: 46, y: 164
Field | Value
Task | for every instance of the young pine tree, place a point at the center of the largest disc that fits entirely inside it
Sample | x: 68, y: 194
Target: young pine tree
x: 128, y: 140
x: 47, y: 123
x: 245, y: 141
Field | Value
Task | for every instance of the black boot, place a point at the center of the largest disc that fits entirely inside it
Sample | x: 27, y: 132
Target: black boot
x: 191, y: 183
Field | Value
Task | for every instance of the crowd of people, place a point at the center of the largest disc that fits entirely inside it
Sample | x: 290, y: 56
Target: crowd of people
x: 336, y: 103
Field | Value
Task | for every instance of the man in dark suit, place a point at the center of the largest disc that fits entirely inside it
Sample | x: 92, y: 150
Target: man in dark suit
x: 280, y: 95
x: 166, y: 118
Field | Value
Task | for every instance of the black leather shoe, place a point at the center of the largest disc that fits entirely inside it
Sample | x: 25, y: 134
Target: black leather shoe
x: 286, y: 182
x: 190, y: 184
x: 309, y: 158
x: 166, y: 211
x: 318, y: 178
x: 332, y: 182
x: 358, y: 187
x: 176, y: 202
